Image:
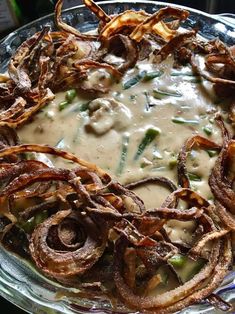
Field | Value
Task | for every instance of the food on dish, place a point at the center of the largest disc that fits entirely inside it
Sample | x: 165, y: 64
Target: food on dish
x: 155, y: 243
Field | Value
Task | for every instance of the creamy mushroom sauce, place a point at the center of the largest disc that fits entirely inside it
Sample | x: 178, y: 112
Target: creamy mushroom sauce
x: 95, y: 130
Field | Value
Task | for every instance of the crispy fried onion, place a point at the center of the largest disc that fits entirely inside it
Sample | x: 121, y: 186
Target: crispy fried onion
x: 120, y: 46
x: 67, y: 28
x: 153, y: 23
x: 196, y: 141
x: 102, y: 16
x: 221, y: 182
x: 202, y: 284
x: 67, y: 244
x: 83, y: 212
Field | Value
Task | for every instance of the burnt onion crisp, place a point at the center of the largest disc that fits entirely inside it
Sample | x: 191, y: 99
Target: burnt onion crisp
x: 78, y: 225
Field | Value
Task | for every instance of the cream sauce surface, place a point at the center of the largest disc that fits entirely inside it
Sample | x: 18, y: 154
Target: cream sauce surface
x: 176, y: 103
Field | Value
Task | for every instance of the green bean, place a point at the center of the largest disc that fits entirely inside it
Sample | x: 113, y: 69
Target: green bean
x: 147, y: 139
x: 178, y: 260
x: 152, y: 75
x: 63, y: 105
x: 70, y: 95
x: 208, y: 130
x: 159, y: 94
x: 194, y: 177
x: 181, y: 120
x: 124, y: 150
x: 212, y: 153
x: 134, y: 80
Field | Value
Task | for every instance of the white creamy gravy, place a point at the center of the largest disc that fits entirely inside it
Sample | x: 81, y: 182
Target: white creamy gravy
x: 97, y: 134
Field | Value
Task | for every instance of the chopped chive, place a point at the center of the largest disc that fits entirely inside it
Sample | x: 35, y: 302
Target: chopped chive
x: 134, y: 80
x: 207, y: 129
x: 70, y: 95
x: 194, y: 177
x: 178, y: 260
x: 181, y: 120
x: 147, y: 139
x: 63, y: 105
x: 124, y: 149
x: 152, y: 75
x: 212, y: 153
x: 60, y: 144
x: 157, y: 93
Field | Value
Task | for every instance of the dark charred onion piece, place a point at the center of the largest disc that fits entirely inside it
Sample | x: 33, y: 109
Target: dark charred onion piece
x: 62, y: 264
x: 93, y: 7
x: 220, y: 185
x: 121, y: 46
x: 197, y: 141
x: 148, y: 24
x: 174, y: 44
x: 67, y: 28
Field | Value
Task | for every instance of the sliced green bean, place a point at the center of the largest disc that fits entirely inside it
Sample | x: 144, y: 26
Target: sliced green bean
x: 212, y: 153
x: 194, y: 177
x: 181, y: 120
x: 208, y: 130
x: 70, y: 95
x: 152, y: 75
x: 149, y: 136
x: 178, y: 260
x: 159, y: 94
x: 63, y: 105
x: 123, y: 157
x: 183, y: 74
x: 134, y: 80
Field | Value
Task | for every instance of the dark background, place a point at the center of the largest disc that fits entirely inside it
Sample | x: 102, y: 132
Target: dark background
x: 32, y: 10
